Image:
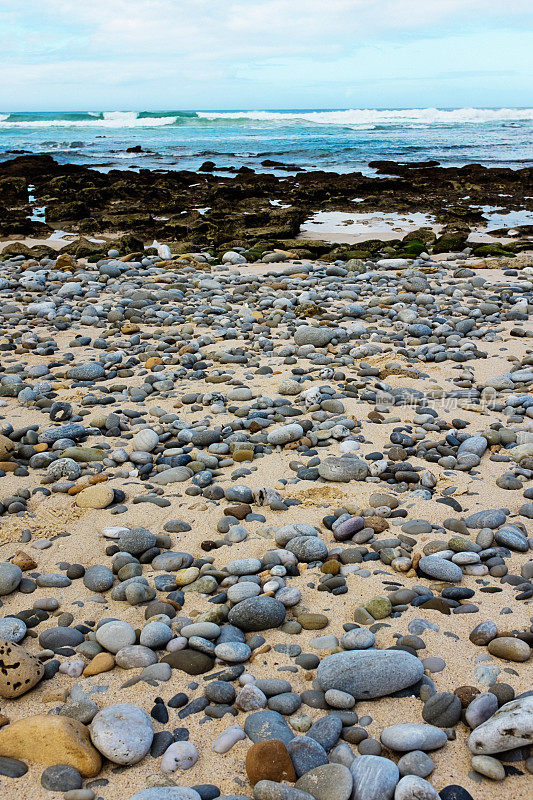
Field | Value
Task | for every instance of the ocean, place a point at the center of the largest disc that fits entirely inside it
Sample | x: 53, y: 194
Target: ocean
x: 338, y: 141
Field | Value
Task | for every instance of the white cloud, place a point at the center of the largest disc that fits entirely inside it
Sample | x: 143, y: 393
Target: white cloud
x: 219, y: 29
x: 96, y: 44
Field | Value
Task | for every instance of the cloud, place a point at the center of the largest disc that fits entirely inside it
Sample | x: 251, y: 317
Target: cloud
x: 213, y: 29
x: 186, y: 43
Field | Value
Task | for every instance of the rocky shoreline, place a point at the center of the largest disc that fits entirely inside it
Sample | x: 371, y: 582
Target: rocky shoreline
x: 265, y: 513
x: 256, y: 211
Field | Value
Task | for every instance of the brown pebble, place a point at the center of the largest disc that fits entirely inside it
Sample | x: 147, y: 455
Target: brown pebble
x: 102, y: 662
x: 269, y: 761
x: 23, y: 560
x: 466, y: 694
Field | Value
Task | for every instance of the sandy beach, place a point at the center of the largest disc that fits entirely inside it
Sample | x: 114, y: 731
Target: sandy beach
x: 389, y: 393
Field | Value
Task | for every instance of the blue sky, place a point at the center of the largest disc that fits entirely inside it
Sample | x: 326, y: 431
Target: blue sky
x: 250, y: 54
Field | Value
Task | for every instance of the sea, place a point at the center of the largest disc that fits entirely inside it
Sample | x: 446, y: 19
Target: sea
x: 334, y: 140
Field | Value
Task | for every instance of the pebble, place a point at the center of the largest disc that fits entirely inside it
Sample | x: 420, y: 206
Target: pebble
x: 61, y: 778
x: 187, y: 379
x: 442, y: 709
x: 49, y: 739
x: 257, y: 614
x: 98, y: 496
x: 12, y: 767
x: 10, y: 578
x: 509, y: 727
x: 12, y: 629
x: 413, y: 787
x: 180, y: 755
x: 327, y: 782
x: 489, y: 767
x: 115, y: 635
x: 408, y: 736
x: 369, y: 673
x: 123, y: 733
x: 416, y: 762
x: 374, y: 778
x: 509, y: 648
x: 262, y: 725
x: 441, y: 569
x: 306, y: 753
x: 270, y: 761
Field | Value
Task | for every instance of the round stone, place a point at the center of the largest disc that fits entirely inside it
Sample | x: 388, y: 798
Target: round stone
x: 98, y: 578
x: 115, y: 635
x: 12, y: 767
x: 358, y: 639
x: 19, y: 671
x: 327, y: 782
x: 137, y: 541
x: 411, y: 736
x: 61, y: 778
x: 412, y: 786
x: 10, y: 577
x: 509, y: 648
x: 263, y: 725
x: 145, y: 440
x: 269, y: 760
x: 442, y: 709
x: 12, y: 629
x: 416, y: 763
x: 489, y: 767
x: 155, y: 635
x: 135, y: 655
x: 55, y: 638
x: 369, y: 673
x: 123, y: 733
x: 257, y: 614
x: 440, y: 569
x: 180, y: 755
x: 98, y: 496
x: 92, y: 371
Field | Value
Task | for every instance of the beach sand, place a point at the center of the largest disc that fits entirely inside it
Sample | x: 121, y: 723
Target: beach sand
x: 51, y: 516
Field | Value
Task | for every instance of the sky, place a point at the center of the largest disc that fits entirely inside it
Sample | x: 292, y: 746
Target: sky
x: 264, y: 54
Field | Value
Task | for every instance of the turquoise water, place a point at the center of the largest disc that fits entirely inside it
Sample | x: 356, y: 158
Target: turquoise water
x: 339, y: 141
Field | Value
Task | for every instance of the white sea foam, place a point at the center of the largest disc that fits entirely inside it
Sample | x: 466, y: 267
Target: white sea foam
x: 369, y: 118
x: 110, y: 119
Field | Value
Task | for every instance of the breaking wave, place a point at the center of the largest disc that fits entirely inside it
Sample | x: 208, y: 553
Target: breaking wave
x: 370, y: 118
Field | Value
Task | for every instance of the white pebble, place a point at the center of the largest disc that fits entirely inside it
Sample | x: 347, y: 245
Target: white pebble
x: 114, y: 531
x: 226, y: 740
x: 72, y: 668
x: 246, y: 678
x: 179, y: 643
x: 180, y: 755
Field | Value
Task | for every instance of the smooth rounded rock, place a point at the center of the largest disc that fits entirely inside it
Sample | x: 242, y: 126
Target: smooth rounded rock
x: 327, y: 782
x: 123, y: 733
x: 369, y: 673
x: 10, y: 577
x: 257, y: 614
x: 440, y: 569
x: 413, y: 787
x: 408, y: 736
x: 374, y: 778
x: 115, y: 635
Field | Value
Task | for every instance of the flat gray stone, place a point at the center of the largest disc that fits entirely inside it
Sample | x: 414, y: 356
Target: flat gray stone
x: 327, y: 782
x: 410, y: 736
x: 369, y: 673
x: 374, y: 778
x: 263, y: 725
x: 440, y: 569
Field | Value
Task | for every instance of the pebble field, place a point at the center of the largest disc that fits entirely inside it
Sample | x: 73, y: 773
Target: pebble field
x: 265, y: 526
